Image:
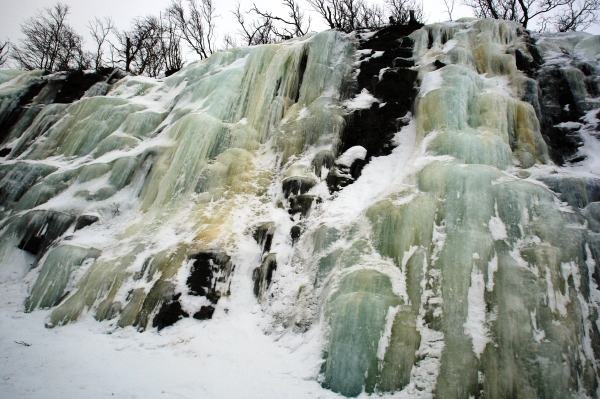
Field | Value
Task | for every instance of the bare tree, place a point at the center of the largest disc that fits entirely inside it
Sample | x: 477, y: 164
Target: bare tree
x: 564, y: 14
x: 229, y: 42
x: 4, y: 48
x: 370, y: 16
x: 170, y: 44
x: 138, y: 50
x: 293, y: 25
x: 49, y: 42
x: 339, y: 14
x: 578, y: 15
x: 99, y: 30
x: 70, y: 55
x: 400, y: 10
x: 257, y: 30
x: 349, y: 15
x: 521, y: 11
x: 196, y: 24
x: 449, y: 4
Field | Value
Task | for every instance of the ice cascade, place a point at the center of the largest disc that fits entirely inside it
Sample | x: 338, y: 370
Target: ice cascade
x: 427, y: 198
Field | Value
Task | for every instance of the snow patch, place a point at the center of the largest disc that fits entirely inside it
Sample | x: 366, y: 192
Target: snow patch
x: 363, y: 100
x: 476, y: 326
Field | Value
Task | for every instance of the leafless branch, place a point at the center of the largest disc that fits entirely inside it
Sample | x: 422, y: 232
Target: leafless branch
x: 257, y: 30
x: 170, y: 44
x: 292, y: 25
x: 578, y: 15
x: 4, y: 49
x: 400, y: 10
x: 196, y: 24
x: 99, y: 29
x: 138, y: 50
x: 49, y: 43
x: 449, y: 4
x: 563, y: 14
x: 349, y: 15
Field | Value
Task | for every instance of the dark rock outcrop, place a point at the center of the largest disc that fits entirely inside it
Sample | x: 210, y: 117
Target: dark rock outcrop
x: 169, y: 313
x: 85, y: 220
x: 296, y: 185
x: 386, y: 74
x: 559, y: 93
x: 209, y: 272
x: 302, y: 204
x: 41, y: 228
x: 209, y: 277
x: 295, y: 233
x: 263, y: 275
x: 263, y: 234
x: 205, y: 313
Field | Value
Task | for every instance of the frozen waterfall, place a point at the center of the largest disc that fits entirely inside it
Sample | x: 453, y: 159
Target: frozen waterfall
x: 422, y: 202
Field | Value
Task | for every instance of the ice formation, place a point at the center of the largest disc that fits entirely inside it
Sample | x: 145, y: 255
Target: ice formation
x: 425, y: 198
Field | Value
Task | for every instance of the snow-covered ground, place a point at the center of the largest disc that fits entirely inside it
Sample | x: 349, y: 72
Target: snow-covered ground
x: 226, y: 357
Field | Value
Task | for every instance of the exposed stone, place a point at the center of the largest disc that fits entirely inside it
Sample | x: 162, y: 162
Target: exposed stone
x: 205, y: 312
x: 61, y: 87
x: 302, y: 203
x: 85, y: 220
x: 263, y: 234
x: 528, y: 63
x: 374, y: 128
x: 558, y: 104
x: 41, y: 228
x: 438, y: 64
x: 66, y: 87
x: 295, y: 233
x: 400, y: 62
x: 323, y: 159
x: 12, y: 115
x: 296, y: 185
x: 169, y: 313
x: 208, y: 274
x: 347, y: 168
x: 171, y: 71
x: 263, y: 274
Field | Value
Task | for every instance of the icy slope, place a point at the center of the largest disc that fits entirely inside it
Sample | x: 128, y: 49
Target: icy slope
x: 411, y: 212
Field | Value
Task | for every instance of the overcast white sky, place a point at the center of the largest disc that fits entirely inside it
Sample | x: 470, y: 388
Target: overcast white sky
x: 14, y: 12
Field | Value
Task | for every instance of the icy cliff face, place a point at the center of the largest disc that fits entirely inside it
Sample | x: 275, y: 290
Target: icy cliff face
x: 427, y: 200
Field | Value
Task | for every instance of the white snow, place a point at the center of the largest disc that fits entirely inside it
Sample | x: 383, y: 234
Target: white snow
x: 497, y: 227
x: 351, y: 155
x: 229, y: 356
x: 379, y: 177
x: 538, y: 334
x: 476, y: 326
x: 363, y: 100
x: 491, y: 270
x: 384, y: 341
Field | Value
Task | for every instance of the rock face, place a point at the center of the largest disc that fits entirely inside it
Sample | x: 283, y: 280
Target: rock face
x: 386, y: 72
x: 424, y: 199
x: 208, y: 277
